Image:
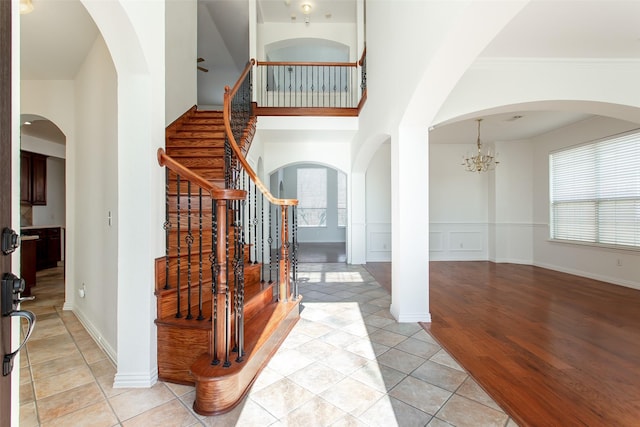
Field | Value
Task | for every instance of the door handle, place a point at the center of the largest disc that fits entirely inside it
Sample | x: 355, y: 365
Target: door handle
x: 7, y: 360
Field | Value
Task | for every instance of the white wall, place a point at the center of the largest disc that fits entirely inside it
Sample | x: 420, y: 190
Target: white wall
x: 590, y: 261
x: 42, y: 146
x: 274, y: 32
x: 96, y: 196
x: 378, y: 206
x: 181, y: 42
x: 213, y: 48
x: 459, y: 206
x: 511, y: 208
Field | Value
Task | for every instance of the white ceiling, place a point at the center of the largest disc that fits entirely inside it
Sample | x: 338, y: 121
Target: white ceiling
x: 56, y: 37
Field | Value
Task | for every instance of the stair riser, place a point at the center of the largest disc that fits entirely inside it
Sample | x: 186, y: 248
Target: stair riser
x: 251, y: 274
x: 205, y: 151
x: 178, y: 349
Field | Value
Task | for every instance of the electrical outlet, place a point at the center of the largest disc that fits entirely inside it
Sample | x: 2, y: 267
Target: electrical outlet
x: 619, y: 262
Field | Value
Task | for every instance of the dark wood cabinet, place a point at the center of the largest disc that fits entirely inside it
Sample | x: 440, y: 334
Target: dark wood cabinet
x: 33, y: 178
x: 25, y: 177
x: 28, y: 265
x: 38, y: 179
x: 48, y: 246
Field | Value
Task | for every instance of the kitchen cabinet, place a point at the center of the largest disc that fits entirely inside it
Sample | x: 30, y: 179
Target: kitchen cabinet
x: 28, y: 263
x: 48, y: 246
x: 33, y: 178
x: 25, y: 177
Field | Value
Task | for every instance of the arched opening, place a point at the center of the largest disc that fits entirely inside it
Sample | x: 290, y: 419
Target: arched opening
x: 322, y: 211
x: 42, y: 207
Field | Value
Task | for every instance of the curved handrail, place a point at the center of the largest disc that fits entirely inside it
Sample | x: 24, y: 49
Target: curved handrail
x: 363, y: 56
x: 228, y: 95
x: 215, y: 191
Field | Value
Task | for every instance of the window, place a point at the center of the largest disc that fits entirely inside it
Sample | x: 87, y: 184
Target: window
x: 595, y: 192
x: 312, y: 197
x: 342, y: 199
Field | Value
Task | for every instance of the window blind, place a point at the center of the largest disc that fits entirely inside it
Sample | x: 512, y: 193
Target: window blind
x: 312, y: 197
x: 595, y: 192
x: 342, y: 199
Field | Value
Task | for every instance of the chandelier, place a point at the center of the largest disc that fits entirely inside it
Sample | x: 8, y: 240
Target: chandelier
x: 481, y: 162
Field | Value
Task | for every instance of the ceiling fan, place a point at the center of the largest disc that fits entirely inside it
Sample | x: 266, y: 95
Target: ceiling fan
x: 202, y: 68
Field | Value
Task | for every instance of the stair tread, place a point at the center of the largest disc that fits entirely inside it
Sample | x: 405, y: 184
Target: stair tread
x: 267, y: 319
x: 252, y: 304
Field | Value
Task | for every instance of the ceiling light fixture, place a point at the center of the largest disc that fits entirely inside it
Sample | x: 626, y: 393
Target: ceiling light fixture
x: 306, y: 10
x: 481, y: 162
x: 26, y: 7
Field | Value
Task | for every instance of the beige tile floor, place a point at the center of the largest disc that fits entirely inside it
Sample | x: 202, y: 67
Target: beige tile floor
x: 345, y: 363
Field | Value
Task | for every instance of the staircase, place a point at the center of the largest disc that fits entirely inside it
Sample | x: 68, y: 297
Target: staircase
x: 224, y: 304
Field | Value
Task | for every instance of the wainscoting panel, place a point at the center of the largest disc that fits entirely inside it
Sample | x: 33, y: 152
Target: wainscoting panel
x: 378, y: 242
x: 436, y: 241
x: 458, y: 241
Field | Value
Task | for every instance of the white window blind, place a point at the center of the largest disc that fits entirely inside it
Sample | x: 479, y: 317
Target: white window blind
x: 595, y: 192
x: 312, y: 197
x: 342, y: 199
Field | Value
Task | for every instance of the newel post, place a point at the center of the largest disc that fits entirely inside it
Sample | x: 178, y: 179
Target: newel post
x: 284, y: 255
x: 222, y: 324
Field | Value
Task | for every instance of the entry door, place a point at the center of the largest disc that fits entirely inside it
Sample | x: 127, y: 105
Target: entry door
x: 5, y: 191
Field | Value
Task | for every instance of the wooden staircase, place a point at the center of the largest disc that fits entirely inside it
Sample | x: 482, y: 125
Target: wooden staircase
x: 197, y: 290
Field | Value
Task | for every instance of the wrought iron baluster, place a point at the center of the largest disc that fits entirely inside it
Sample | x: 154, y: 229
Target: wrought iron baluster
x: 255, y: 223
x: 262, y: 275
x: 167, y: 229
x: 294, y: 252
x: 189, y: 239
x: 240, y: 287
x: 249, y: 215
x: 270, y: 241
x: 200, y: 235
x: 178, y: 312
x: 278, y: 243
x: 213, y: 257
x: 227, y: 302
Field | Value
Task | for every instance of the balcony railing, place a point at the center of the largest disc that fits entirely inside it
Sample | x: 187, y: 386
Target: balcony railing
x: 303, y: 88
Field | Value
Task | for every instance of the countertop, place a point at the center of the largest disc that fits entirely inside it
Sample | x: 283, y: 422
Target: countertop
x: 33, y: 227
x: 23, y: 238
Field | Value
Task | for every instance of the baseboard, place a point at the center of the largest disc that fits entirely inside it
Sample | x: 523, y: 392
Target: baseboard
x: 581, y: 273
x: 95, y: 334
x: 135, y: 380
x: 410, y: 317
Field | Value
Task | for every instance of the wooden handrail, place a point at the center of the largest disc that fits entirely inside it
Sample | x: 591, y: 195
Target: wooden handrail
x: 228, y: 95
x: 308, y: 64
x: 364, y: 54
x: 236, y: 87
x: 215, y: 191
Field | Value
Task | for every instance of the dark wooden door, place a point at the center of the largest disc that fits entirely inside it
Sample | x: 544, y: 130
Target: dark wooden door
x: 5, y: 190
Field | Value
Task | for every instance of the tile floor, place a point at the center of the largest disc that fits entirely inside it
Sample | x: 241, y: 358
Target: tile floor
x: 345, y: 363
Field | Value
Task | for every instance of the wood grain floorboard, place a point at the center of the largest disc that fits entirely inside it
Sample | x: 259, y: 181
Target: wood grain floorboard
x: 552, y: 349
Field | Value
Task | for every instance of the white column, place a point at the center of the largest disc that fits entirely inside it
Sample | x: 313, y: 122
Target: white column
x: 410, y: 225
x: 357, y: 240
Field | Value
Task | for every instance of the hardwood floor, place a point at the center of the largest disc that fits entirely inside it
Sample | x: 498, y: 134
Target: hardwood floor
x: 322, y: 252
x: 550, y: 348
x: 382, y: 272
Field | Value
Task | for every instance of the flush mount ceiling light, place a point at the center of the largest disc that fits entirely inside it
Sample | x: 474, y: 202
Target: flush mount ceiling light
x: 26, y: 7
x: 306, y: 10
x: 482, y: 161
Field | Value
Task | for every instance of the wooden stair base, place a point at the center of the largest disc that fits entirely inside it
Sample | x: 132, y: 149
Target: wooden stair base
x: 220, y: 389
